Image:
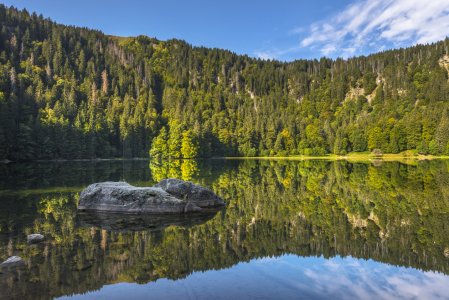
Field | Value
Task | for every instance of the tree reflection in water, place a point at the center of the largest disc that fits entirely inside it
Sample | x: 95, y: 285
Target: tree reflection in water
x: 394, y: 213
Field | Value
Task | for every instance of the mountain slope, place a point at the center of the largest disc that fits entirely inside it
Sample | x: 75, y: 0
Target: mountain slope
x: 70, y: 92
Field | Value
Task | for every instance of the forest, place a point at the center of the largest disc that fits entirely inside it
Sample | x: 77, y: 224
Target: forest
x: 68, y: 92
x: 393, y: 213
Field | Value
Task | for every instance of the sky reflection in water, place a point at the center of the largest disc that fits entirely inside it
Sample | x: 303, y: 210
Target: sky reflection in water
x: 291, y: 277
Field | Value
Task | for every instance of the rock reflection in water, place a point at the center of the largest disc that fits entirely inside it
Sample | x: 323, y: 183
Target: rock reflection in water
x: 133, y: 223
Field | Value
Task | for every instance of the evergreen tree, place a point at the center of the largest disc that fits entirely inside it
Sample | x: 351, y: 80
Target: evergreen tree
x: 189, y: 144
x: 175, y: 140
x: 279, y: 145
x: 376, y: 139
x: 433, y: 148
x: 442, y: 133
x: 105, y: 83
x: 159, y: 148
x: 422, y: 148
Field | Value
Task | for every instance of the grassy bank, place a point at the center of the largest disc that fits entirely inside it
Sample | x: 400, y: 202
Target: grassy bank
x: 357, y: 156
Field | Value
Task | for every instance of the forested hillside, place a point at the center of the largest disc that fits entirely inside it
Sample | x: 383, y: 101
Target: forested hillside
x: 70, y: 92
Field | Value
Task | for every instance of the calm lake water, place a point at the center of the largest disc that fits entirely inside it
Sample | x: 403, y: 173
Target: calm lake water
x: 290, y: 230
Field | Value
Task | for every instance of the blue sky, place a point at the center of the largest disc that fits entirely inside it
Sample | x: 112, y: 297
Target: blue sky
x: 285, y: 30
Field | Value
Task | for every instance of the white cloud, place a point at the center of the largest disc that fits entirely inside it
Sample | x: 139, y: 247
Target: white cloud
x: 275, y: 54
x: 265, y: 55
x: 373, y: 25
x: 327, y: 49
x: 376, y: 22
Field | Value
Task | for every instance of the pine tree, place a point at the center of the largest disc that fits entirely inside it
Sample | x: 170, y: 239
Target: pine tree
x: 13, y: 79
x: 13, y: 44
x: 82, y: 63
x: 279, y: 145
x: 175, y: 141
x: 433, y: 148
x: 105, y: 82
x: 189, y: 144
x: 94, y: 96
x: 358, y: 141
x: 337, y: 144
x: 376, y: 139
x: 25, y: 144
x: 422, y: 148
x: 159, y: 147
x: 48, y: 73
x: 394, y: 146
x: 442, y: 133
x: 413, y: 133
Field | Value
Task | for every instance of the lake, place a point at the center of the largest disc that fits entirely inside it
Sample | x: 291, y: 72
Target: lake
x: 290, y: 230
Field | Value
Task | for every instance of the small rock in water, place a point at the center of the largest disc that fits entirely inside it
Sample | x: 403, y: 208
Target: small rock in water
x: 11, y: 261
x: 35, y: 238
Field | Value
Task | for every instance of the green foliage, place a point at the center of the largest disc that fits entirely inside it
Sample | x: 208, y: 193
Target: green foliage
x: 160, y: 145
x: 82, y: 94
x: 442, y: 134
x: 358, y: 141
x: 376, y: 138
x: 189, y: 145
x: 175, y: 141
x: 423, y: 148
x: 369, y: 82
x: 433, y: 148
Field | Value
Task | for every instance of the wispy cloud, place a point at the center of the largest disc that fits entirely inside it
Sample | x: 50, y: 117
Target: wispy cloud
x: 380, y: 21
x: 374, y: 25
x: 275, y: 53
x: 266, y: 55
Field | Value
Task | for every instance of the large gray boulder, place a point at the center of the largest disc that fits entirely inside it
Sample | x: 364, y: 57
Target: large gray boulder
x: 125, y: 198
x: 12, y: 261
x: 35, y: 238
x: 190, y: 192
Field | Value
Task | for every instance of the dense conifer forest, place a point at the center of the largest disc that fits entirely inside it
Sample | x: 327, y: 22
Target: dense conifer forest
x: 70, y: 92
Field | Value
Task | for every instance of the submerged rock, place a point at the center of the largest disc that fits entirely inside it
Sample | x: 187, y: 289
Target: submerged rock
x: 191, y: 192
x: 125, y: 198
x: 12, y: 261
x: 35, y: 238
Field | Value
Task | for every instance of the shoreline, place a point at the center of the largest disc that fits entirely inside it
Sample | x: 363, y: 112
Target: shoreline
x: 351, y: 157
x: 333, y: 157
